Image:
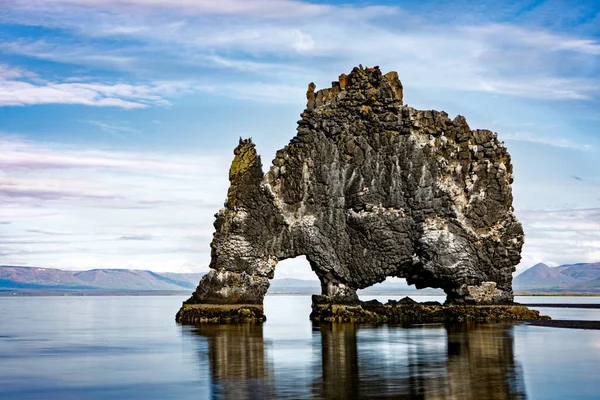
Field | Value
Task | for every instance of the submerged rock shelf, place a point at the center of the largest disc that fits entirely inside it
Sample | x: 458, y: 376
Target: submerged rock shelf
x: 405, y: 311
x: 397, y: 313
x: 192, y: 314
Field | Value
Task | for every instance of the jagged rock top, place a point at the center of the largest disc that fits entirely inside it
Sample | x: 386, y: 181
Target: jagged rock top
x: 367, y: 87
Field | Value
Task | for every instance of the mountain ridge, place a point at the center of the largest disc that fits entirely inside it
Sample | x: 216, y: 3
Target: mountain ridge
x: 37, y: 279
x: 21, y: 277
x: 576, y: 278
x: 579, y: 277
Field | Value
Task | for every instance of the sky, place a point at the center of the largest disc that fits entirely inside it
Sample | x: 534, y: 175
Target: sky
x: 118, y: 117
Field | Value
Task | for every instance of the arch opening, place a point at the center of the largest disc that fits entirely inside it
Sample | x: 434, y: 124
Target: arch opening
x: 396, y: 288
x: 290, y: 290
x: 294, y: 276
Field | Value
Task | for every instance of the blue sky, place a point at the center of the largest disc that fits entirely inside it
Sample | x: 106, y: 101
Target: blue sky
x: 118, y: 117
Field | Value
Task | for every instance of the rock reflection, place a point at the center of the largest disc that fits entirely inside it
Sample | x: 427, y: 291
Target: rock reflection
x: 481, y: 363
x: 462, y: 362
x: 360, y: 362
x: 340, y: 361
x: 237, y: 362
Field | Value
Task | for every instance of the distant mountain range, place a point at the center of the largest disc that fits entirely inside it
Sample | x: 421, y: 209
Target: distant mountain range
x: 34, y: 280
x: 580, y: 278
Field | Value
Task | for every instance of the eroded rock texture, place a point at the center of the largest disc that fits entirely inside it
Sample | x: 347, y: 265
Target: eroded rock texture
x: 370, y: 188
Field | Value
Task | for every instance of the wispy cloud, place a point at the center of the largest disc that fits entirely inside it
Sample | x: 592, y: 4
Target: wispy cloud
x: 535, y: 39
x: 50, y: 232
x: 262, y: 8
x: 560, y: 237
x: 46, y: 189
x: 20, y: 88
x: 114, y: 129
x: 257, y: 91
x: 300, y: 39
x: 74, y: 52
x: 136, y: 237
x: 20, y: 154
x: 541, y: 88
x: 116, y: 208
x: 547, y: 140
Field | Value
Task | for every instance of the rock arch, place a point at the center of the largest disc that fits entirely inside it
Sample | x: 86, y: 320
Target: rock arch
x: 369, y: 188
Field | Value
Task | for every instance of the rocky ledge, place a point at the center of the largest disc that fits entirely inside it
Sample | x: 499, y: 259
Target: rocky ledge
x: 407, y: 311
x: 192, y: 314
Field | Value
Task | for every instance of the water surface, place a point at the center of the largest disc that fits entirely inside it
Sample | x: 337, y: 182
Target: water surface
x: 130, y: 347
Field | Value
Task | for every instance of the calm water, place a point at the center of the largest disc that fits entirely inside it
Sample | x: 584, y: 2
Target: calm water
x: 131, y: 348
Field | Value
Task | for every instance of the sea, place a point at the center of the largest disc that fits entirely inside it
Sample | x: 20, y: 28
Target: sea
x: 132, y: 348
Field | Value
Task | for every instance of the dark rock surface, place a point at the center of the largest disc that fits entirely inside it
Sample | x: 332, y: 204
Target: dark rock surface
x: 220, y: 314
x: 370, y: 188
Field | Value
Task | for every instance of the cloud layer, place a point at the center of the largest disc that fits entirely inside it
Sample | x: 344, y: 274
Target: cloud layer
x: 19, y: 87
x: 560, y: 237
x: 534, y: 68
x: 286, y: 41
x: 73, y: 208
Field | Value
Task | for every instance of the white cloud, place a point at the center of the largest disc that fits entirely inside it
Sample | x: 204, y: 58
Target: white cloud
x: 19, y: 154
x: 8, y: 72
x: 75, y: 53
x: 246, y: 65
x: 262, y: 8
x: 116, y: 130
x: 536, y: 38
x: 489, y: 58
x: 80, y: 205
x: 256, y: 91
x: 546, y: 140
x: 20, y: 88
x: 540, y: 88
x: 74, y: 208
x: 560, y: 237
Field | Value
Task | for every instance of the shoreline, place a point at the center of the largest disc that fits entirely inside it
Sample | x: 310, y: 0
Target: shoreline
x: 564, y: 323
x: 557, y: 294
x: 563, y: 305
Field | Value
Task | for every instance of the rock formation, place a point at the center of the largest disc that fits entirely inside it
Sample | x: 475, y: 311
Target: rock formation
x: 369, y: 188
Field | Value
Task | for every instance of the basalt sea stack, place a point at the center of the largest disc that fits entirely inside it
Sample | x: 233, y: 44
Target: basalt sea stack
x: 367, y: 189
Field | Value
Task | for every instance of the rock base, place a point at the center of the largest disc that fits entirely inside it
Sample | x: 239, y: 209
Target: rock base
x: 408, y: 312
x: 220, y: 314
